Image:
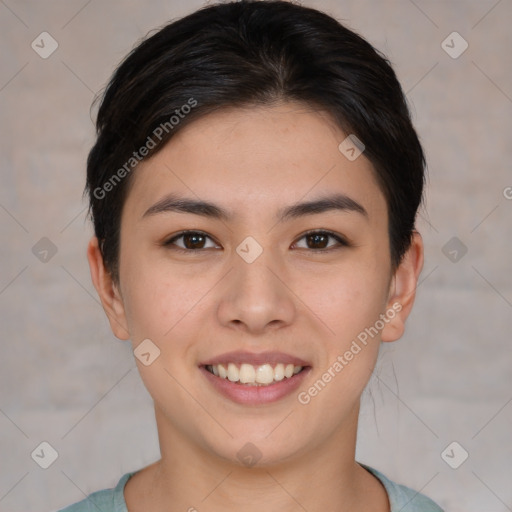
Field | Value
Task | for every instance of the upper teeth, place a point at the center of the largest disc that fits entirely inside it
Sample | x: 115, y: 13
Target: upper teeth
x: 249, y: 374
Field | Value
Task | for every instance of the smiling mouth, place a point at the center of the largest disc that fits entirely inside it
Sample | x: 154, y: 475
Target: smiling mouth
x: 252, y: 375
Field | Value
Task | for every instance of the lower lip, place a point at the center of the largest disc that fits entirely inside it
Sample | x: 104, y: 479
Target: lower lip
x: 254, y: 395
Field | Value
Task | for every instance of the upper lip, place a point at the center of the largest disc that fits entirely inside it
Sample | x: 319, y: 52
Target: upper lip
x: 256, y: 359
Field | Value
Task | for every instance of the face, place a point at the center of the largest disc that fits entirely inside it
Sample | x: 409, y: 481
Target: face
x: 255, y: 285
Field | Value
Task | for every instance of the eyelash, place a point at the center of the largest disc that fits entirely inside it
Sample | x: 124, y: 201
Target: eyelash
x: 341, y: 241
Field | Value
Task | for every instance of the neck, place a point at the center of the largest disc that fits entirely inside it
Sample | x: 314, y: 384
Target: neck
x: 323, y: 477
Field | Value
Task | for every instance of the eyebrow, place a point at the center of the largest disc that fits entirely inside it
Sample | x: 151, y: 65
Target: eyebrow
x: 174, y: 203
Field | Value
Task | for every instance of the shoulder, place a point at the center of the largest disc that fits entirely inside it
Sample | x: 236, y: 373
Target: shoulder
x: 402, y: 498
x: 106, y: 500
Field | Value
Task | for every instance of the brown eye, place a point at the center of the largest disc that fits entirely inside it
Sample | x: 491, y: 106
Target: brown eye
x: 318, y: 240
x: 192, y: 241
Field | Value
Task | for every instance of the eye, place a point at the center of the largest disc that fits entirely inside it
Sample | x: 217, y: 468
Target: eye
x: 192, y: 240
x: 320, y: 238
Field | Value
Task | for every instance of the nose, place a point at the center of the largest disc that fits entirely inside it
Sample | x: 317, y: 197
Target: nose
x: 256, y: 296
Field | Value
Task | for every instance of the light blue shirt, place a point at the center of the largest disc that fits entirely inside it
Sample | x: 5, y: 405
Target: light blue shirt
x: 401, y: 498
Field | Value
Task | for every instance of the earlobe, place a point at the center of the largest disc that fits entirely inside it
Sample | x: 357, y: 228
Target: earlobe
x: 108, y: 292
x: 403, y: 289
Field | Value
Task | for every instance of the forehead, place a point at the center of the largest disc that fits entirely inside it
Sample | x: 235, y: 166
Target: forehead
x: 257, y: 156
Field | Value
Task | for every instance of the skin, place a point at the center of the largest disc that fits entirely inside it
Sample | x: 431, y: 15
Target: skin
x: 292, y: 298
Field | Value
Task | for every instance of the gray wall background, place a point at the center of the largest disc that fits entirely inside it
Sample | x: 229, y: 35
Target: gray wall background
x: 65, y: 379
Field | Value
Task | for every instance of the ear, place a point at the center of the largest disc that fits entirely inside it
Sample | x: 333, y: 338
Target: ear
x: 402, y: 291
x: 107, y: 290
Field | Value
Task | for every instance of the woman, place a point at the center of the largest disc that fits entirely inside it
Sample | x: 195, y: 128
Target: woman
x: 253, y: 188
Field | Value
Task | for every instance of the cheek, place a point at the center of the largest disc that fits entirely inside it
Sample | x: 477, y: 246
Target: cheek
x: 156, y: 306
x: 169, y: 306
x: 163, y: 308
x: 348, y: 300
x: 349, y: 306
